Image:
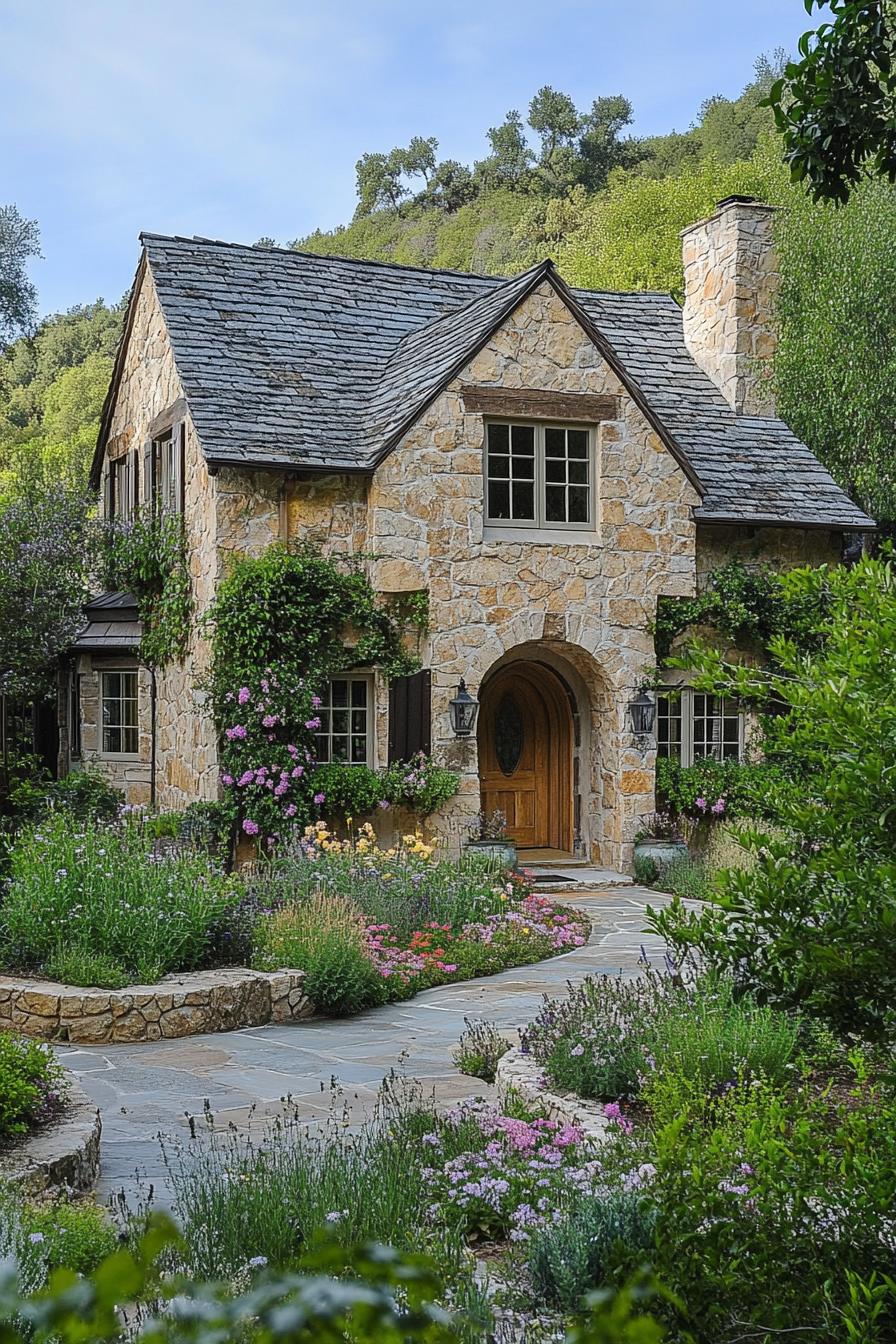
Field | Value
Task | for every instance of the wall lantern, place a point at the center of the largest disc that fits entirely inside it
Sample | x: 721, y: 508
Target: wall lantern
x: 642, y: 711
x: 464, y: 709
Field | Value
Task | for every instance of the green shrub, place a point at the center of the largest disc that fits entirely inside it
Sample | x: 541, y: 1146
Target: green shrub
x: 747, y: 789
x: 615, y: 1038
x: 75, y: 965
x: 32, y: 1085
x: 324, y: 936
x: 686, y: 876
x: 764, y: 1218
x: 811, y: 923
x: 103, y: 888
x: 589, y: 1248
x: 209, y: 826
x: 82, y: 794
x: 479, y: 1049
x: 71, y: 1236
x: 646, y: 871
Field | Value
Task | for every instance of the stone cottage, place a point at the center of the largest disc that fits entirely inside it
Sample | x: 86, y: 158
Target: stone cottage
x: 543, y: 461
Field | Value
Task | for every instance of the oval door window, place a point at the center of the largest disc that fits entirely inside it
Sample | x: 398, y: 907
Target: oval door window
x: 508, y: 734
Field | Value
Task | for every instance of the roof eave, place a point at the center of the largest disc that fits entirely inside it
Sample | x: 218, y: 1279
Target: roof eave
x: 768, y: 520
x: 99, y: 452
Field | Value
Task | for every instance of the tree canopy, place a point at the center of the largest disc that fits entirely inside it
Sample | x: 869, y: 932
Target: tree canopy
x: 836, y: 106
x: 19, y: 241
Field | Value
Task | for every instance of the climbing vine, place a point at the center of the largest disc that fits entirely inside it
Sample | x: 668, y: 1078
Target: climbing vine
x: 748, y: 606
x: 147, y: 557
x: 282, y: 626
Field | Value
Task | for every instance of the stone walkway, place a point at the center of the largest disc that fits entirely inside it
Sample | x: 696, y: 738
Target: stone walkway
x: 143, y: 1090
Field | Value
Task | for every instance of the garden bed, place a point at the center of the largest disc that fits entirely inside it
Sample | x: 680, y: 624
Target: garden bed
x: 178, y: 1005
x: 62, y: 1155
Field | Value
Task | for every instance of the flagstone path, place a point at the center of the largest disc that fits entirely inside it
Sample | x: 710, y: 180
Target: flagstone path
x: 144, y: 1090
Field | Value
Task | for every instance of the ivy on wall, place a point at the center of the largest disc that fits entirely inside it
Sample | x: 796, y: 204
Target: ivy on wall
x: 147, y: 557
x: 281, y: 626
x: 748, y: 606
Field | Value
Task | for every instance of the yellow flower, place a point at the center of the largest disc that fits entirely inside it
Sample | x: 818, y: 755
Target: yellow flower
x: 526, y: 930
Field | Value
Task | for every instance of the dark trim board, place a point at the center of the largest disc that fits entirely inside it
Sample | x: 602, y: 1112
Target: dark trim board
x: 534, y: 404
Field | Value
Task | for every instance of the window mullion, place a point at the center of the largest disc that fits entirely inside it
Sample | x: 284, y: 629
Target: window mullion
x: 687, y: 727
x: 539, y: 477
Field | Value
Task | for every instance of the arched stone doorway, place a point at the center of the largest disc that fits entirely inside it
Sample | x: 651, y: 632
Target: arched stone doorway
x: 525, y: 738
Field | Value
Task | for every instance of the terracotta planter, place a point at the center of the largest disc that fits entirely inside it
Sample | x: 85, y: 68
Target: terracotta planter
x: 502, y: 851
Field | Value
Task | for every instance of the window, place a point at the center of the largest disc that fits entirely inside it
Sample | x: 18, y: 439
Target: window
x: 121, y: 489
x: 74, y: 716
x: 120, y: 735
x: 540, y: 475
x: 691, y: 726
x: 345, y: 722
x: 169, y: 474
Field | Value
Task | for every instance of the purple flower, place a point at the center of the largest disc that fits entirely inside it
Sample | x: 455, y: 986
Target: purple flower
x: 246, y: 778
x: 384, y: 804
x: 250, y: 827
x: 291, y: 810
x: 236, y: 731
x: 270, y: 721
x: 718, y: 806
x: 701, y: 803
x: 577, y: 1050
x: 227, y: 779
x: 243, y: 694
x: 320, y: 799
x: 312, y: 724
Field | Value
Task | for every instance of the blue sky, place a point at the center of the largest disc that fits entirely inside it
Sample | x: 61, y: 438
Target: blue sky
x: 237, y: 119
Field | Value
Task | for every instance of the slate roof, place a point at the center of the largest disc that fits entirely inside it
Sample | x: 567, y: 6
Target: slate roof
x: 301, y: 362
x: 113, y: 624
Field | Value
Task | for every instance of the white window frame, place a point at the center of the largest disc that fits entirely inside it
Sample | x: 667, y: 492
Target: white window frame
x: 684, y: 695
x: 540, y: 523
x: 353, y: 678
x: 169, y: 482
x: 121, y: 490
x: 118, y: 672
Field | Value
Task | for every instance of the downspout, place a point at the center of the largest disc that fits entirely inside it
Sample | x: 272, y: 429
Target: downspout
x: 152, y: 737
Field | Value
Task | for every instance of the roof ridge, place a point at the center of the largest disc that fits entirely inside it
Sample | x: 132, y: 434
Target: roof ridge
x: 323, y: 256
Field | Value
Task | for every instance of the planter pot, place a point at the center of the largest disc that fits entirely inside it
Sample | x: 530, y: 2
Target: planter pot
x: 660, y: 852
x: 502, y: 851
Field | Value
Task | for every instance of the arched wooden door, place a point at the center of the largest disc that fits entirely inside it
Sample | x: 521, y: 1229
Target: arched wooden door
x: 525, y: 755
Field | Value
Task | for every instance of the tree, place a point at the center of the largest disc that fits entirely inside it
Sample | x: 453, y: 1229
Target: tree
x: 836, y: 105
x: 46, y: 543
x: 811, y: 923
x: 554, y: 117
x: 600, y: 147
x: 19, y: 240
x: 420, y: 158
x: 730, y: 129
x: 379, y: 182
x: 510, y: 162
x: 835, y: 364
x: 451, y: 186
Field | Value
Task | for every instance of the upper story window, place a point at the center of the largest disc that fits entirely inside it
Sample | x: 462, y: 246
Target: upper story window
x: 691, y: 726
x: 165, y: 470
x: 539, y: 475
x: 122, y: 488
x: 346, y: 722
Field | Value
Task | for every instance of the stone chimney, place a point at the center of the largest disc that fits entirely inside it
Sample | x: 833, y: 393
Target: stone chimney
x: 730, y: 278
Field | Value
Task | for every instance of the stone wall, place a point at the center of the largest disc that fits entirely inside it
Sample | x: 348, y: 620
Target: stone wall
x: 62, y: 1157
x: 782, y: 548
x: 178, y: 1005
x: 730, y: 278
x: 586, y: 604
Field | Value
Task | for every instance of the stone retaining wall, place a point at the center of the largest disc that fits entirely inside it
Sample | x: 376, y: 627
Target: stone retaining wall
x: 179, y: 1005
x: 62, y: 1157
x: 521, y: 1074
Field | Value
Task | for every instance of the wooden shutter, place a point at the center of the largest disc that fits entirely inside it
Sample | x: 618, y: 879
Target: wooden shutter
x: 109, y: 493
x: 410, y: 714
x: 134, y: 472
x: 149, y: 474
x: 178, y: 434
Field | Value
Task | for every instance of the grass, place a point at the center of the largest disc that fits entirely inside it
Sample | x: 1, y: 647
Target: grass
x: 323, y: 935
x: 479, y: 1049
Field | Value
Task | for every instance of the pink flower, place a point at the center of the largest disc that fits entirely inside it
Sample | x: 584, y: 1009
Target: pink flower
x: 312, y: 724
x: 701, y: 803
x: 270, y: 721
x: 237, y: 731
x: 291, y: 810
x: 250, y: 827
x: 320, y: 799
x: 227, y: 779
x: 298, y: 771
x: 316, y: 701
x: 243, y: 694
x: 246, y: 778
x: 719, y: 806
